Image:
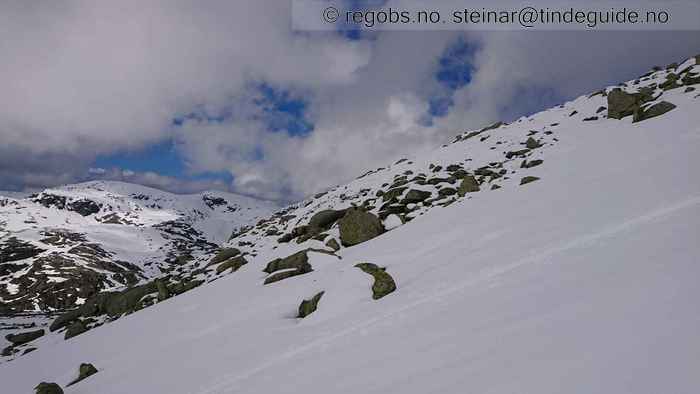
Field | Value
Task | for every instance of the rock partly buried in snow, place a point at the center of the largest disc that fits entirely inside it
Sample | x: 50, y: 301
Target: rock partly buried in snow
x: 308, y: 307
x: 86, y: 370
x: 383, y: 282
x: 653, y: 111
x: 358, y: 226
x: 325, y: 219
x: 296, y: 260
x: 415, y: 196
x: 75, y: 329
x: 234, y: 264
x: 528, y: 179
x: 223, y: 255
x: 24, y: 337
x: 333, y: 244
x: 469, y: 185
x: 48, y: 388
x: 622, y: 104
x: 284, y: 274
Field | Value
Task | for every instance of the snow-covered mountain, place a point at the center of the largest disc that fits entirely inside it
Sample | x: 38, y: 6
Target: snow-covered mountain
x: 65, y: 245
x: 557, y: 253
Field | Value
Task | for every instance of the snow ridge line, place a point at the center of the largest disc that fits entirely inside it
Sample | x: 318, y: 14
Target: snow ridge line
x: 230, y: 384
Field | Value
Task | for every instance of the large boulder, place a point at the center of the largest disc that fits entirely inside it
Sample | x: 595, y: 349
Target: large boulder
x: 24, y: 337
x: 469, y: 185
x: 297, y: 260
x: 86, y: 370
x: 622, y: 104
x: 233, y: 264
x: 48, y: 388
x: 325, y: 219
x: 308, y: 307
x: 415, y: 196
x: 358, y: 226
x: 653, y: 111
x: 75, y: 329
x: 223, y: 255
x: 383, y: 282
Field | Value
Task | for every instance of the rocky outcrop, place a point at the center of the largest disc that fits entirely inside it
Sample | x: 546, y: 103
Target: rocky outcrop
x: 223, y: 255
x: 233, y: 264
x: 653, y: 111
x: 528, y: 179
x: 358, y: 226
x: 622, y: 104
x: 383, y: 282
x: 469, y: 185
x: 293, y: 265
x: 309, y: 306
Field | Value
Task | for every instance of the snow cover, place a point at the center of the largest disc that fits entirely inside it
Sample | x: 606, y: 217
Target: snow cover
x: 584, y: 281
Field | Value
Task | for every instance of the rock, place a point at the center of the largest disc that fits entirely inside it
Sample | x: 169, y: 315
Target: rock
x: 517, y: 153
x: 469, y: 185
x: 297, y: 260
x: 77, y: 328
x: 278, y: 276
x: 86, y: 370
x: 383, y: 282
x: 308, y: 307
x: 589, y: 119
x: 495, y: 187
x: 531, y: 163
x: 653, y: 111
x: 532, y: 143
x: 24, y: 337
x: 325, y: 219
x: 415, y: 196
x: 48, y: 388
x: 393, y: 193
x: 333, y: 244
x: 528, y: 179
x: 223, y: 255
x: 622, y: 104
x: 358, y: 226
x: 447, y: 191
x: 163, y: 292
x: 8, y: 351
x: 234, y: 264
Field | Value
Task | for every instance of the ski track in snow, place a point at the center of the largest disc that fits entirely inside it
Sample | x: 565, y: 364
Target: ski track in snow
x: 230, y: 384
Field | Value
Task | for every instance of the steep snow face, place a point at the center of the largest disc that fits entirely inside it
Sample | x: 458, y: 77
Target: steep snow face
x: 63, y: 245
x: 581, y: 280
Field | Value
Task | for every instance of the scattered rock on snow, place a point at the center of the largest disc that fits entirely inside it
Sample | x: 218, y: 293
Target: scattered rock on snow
x: 383, y: 282
x: 308, y: 307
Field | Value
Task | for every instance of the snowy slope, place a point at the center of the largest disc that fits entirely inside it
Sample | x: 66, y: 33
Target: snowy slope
x: 581, y: 281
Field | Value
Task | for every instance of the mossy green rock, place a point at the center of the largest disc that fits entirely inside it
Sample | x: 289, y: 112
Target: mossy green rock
x: 233, y: 264
x: 528, y: 179
x: 469, y: 185
x: 325, y: 219
x: 415, y: 196
x: 75, y: 329
x: 223, y: 255
x: 532, y: 143
x: 655, y: 110
x: 308, y: 307
x: 333, y: 244
x: 358, y: 226
x: 296, y: 260
x: 24, y: 337
x: 281, y: 275
x: 48, y: 388
x: 383, y: 282
x: 622, y: 104
x: 86, y: 370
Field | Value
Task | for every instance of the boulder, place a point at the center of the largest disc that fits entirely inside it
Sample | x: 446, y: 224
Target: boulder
x: 333, y: 244
x: 234, y: 264
x: 622, y: 104
x: 383, y: 282
x: 48, y: 388
x: 469, y: 185
x: 278, y: 276
x: 86, y: 370
x: 358, y: 226
x: 297, y: 260
x: 77, y: 328
x: 653, y: 111
x: 528, y: 179
x: 223, y: 255
x: 532, y: 143
x: 325, y: 219
x: 24, y: 337
x: 415, y: 196
x: 308, y: 307
x: 163, y: 292
x: 447, y: 191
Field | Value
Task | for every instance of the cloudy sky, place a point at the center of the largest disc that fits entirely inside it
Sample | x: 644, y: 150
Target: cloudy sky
x: 187, y: 96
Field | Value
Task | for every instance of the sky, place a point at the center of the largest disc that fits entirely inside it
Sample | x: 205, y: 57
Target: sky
x: 188, y: 96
